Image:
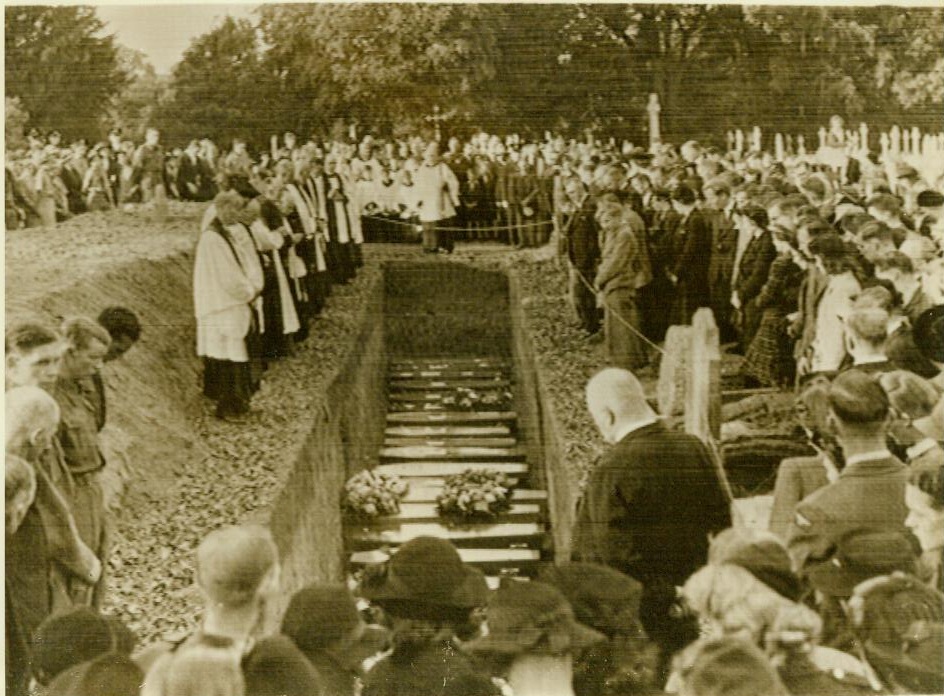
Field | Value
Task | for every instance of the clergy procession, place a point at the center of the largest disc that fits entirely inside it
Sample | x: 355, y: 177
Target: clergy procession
x: 817, y: 268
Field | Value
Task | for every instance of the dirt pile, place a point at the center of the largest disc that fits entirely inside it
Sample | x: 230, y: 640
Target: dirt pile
x: 174, y: 472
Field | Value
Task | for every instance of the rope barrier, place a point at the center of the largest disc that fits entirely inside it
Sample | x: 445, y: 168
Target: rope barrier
x: 618, y: 316
x: 495, y: 228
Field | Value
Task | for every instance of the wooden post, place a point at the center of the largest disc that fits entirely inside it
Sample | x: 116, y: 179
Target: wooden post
x: 739, y: 141
x: 756, y: 138
x: 895, y: 136
x: 703, y: 379
x: 801, y: 145
x: 790, y: 150
x: 653, y: 109
x: 885, y: 144
x: 778, y: 147
x: 864, y: 137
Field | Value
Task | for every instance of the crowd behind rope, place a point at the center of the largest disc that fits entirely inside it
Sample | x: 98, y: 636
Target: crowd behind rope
x: 823, y: 276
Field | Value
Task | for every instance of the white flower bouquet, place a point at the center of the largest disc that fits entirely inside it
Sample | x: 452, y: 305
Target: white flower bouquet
x: 464, y: 399
x: 372, y: 494
x: 475, y: 494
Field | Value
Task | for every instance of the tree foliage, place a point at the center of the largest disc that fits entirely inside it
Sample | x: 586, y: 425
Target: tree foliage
x: 377, y: 63
x: 61, y: 67
x: 523, y: 67
x: 135, y: 107
x: 218, y: 88
x: 15, y: 120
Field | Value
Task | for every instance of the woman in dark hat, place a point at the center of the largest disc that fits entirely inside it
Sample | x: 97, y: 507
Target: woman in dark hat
x: 533, y: 638
x: 607, y: 601
x: 769, y: 358
x: 428, y: 593
x: 325, y: 624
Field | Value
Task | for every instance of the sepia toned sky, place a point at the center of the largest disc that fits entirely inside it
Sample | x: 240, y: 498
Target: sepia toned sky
x: 163, y: 31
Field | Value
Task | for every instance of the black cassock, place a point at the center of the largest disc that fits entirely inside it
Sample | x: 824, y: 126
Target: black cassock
x: 340, y: 256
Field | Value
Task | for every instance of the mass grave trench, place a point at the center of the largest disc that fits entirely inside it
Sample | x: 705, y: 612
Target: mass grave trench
x: 450, y: 340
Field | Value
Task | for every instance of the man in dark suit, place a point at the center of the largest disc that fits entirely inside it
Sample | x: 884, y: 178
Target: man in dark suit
x: 724, y: 236
x: 870, y: 490
x: 194, y: 181
x: 753, y: 271
x: 688, y: 268
x: 650, y: 503
x: 583, y: 252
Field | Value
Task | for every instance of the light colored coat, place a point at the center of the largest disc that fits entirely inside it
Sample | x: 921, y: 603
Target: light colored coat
x: 438, y: 192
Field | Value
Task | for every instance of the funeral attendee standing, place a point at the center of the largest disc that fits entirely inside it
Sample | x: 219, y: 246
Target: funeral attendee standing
x: 86, y: 345
x: 48, y: 566
x: 19, y: 492
x: 870, y: 490
x: 827, y: 348
x: 224, y: 289
x: 583, y: 253
x: 753, y: 270
x: 624, y: 270
x: 438, y: 191
x: 688, y: 270
x: 149, y: 159
x: 723, y: 249
x: 649, y: 504
x: 426, y: 610
x: 281, y: 319
x: 338, y: 211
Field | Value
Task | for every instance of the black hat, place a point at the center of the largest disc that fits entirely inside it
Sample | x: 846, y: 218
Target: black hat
x: 929, y: 333
x: 601, y: 597
x: 425, y: 578
x: 319, y: 615
x: 769, y: 562
x: 112, y: 674
x: 862, y: 554
x: 930, y: 199
x: 68, y: 639
x: 729, y: 667
x: 275, y: 667
x: 532, y: 617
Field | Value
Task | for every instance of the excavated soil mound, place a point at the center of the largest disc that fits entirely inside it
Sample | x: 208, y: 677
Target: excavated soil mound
x: 174, y: 472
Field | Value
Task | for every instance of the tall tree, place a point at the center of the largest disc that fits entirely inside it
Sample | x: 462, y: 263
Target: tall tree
x: 219, y: 87
x: 135, y: 107
x: 381, y: 63
x: 61, y: 67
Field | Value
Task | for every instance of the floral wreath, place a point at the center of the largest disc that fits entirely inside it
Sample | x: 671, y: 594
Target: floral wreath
x: 373, y: 493
x: 475, y: 494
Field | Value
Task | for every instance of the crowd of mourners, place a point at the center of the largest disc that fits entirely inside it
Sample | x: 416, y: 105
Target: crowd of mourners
x: 827, y: 279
